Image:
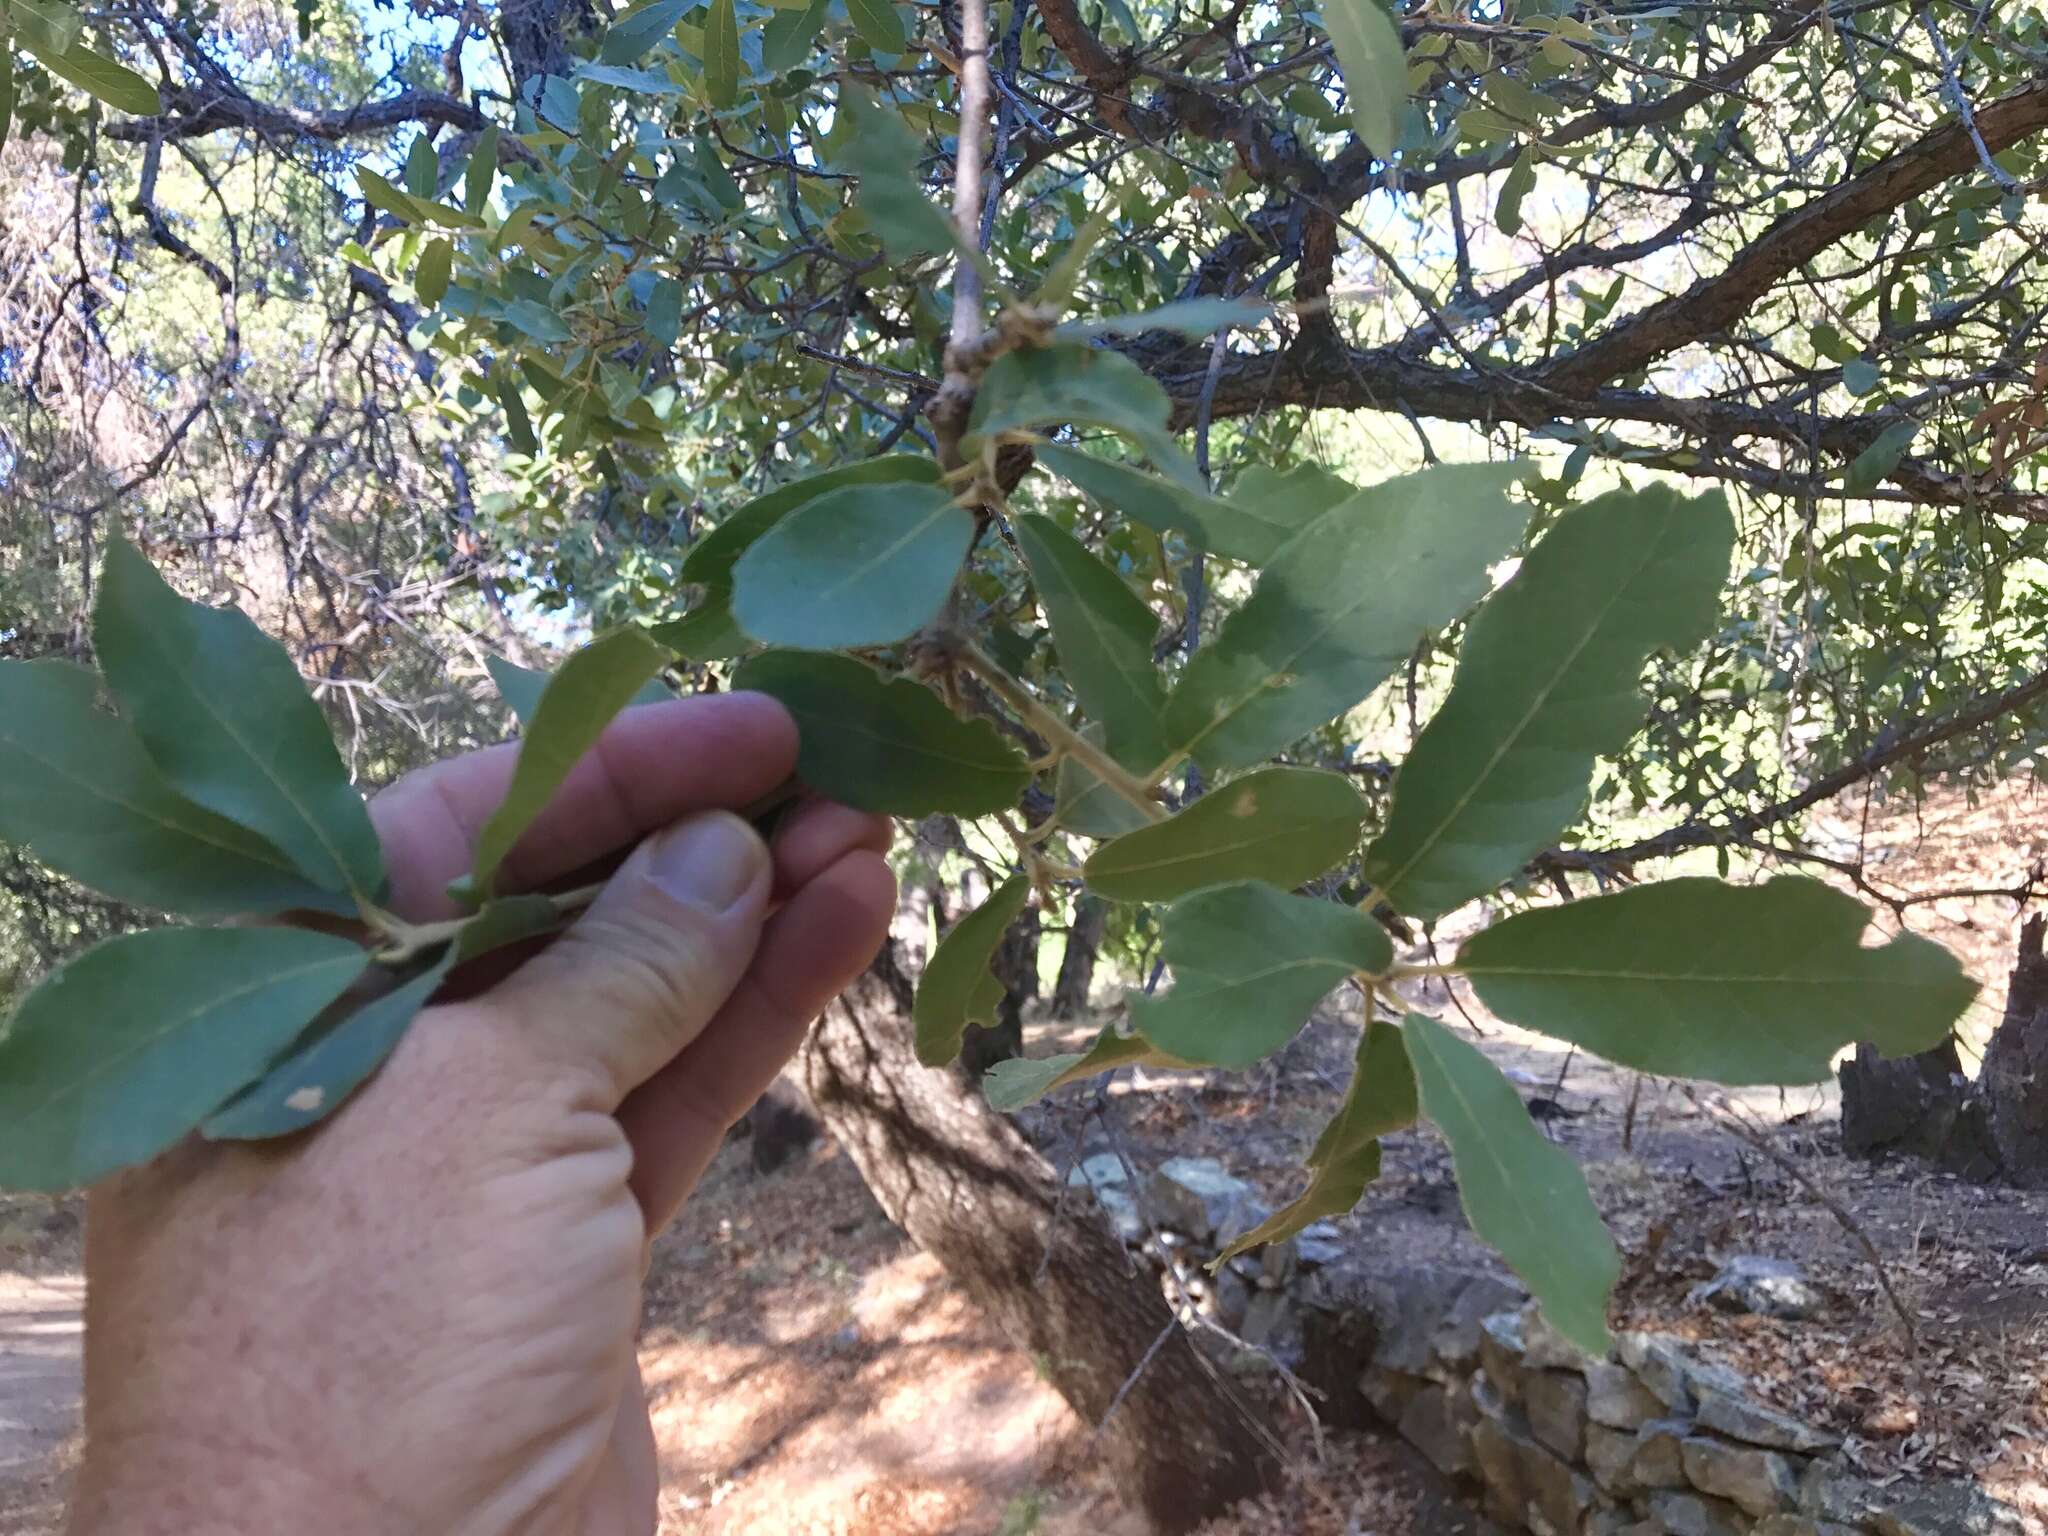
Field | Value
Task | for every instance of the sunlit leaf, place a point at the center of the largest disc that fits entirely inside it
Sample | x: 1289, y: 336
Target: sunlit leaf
x: 97, y: 75
x: 1193, y: 318
x: 712, y: 557
x: 1735, y: 984
x: 1246, y: 527
x: 886, y: 745
x: 1521, y: 1192
x: 580, y: 700
x: 1549, y: 678
x: 958, y: 988
x: 1283, y: 825
x: 122, y: 1051
x: 1368, y: 47
x: 861, y: 565
x: 222, y: 712
x: 521, y: 688
x: 1250, y: 962
x: 1340, y: 607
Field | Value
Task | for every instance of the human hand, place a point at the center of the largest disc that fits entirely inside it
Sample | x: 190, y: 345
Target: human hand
x: 421, y: 1315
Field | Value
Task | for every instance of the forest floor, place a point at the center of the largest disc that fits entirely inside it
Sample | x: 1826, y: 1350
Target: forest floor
x: 810, y: 1373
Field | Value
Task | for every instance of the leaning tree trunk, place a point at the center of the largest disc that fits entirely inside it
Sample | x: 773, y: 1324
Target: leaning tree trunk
x: 1077, y: 964
x: 2015, y: 1077
x: 977, y: 1197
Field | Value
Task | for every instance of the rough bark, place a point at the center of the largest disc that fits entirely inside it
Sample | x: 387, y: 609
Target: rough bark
x: 1918, y: 1106
x: 2015, y: 1078
x: 975, y: 1195
x: 1077, y: 964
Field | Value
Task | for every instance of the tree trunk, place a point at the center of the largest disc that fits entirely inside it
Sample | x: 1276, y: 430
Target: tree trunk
x: 2015, y: 1077
x: 1016, y: 966
x: 976, y: 1196
x: 1077, y: 965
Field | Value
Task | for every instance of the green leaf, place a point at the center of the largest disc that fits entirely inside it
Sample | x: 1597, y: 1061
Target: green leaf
x: 1086, y: 806
x: 518, y: 425
x: 1521, y: 1193
x: 722, y: 54
x: 580, y: 700
x: 222, y: 711
x: 124, y: 1050
x: 336, y: 1057
x: 1340, y: 606
x: 1245, y: 527
x: 664, y: 318
x: 521, y: 687
x: 958, y: 988
x: 1516, y: 185
x: 41, y: 25
x: 884, y: 154
x: 862, y: 565
x: 788, y: 38
x: 97, y: 75
x: 1192, y: 318
x: 386, y: 198
x: 1283, y: 825
x: 705, y: 633
x: 481, y: 174
x: 878, y: 24
x: 1346, y: 1157
x: 422, y: 167
x: 1250, y: 963
x: 1368, y: 48
x: 1104, y: 632
x: 77, y: 790
x: 538, y: 321
x: 886, y: 745
x: 1010, y: 1085
x: 430, y: 275
x: 1867, y: 471
x: 1735, y: 984
x: 1861, y: 376
x: 1073, y: 384
x: 635, y: 34
x: 1288, y: 500
x: 711, y: 558
x: 1549, y: 678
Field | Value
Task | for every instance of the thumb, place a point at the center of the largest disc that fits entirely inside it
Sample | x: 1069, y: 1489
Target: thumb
x: 642, y: 972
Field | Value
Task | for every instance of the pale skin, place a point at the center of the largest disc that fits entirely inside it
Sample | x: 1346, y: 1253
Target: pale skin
x: 420, y: 1317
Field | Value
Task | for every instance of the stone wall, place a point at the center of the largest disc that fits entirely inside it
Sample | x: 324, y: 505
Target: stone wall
x: 1648, y: 1442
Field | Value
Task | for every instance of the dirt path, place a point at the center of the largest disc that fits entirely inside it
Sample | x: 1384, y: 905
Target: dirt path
x: 42, y: 1332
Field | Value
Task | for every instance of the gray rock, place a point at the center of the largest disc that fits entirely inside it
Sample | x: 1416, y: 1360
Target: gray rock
x: 1546, y: 1348
x: 1106, y: 1175
x: 1762, y: 1482
x: 1802, y: 1525
x: 1750, y: 1282
x: 1319, y: 1244
x: 1390, y: 1392
x: 1556, y: 1404
x: 1273, y: 1321
x: 1197, y: 1196
x: 1616, y: 1399
x: 1411, y: 1306
x: 1524, y: 1481
x: 1438, y: 1425
x: 1500, y: 1469
x: 1827, y: 1493
x: 1944, y: 1509
x: 1734, y: 1415
x: 1279, y: 1263
x: 1502, y: 1352
x: 1609, y: 1456
x: 1459, y: 1335
x: 1688, y: 1514
x: 1664, y: 1369
x: 1619, y: 1522
x: 1231, y: 1296
x: 1659, y: 1461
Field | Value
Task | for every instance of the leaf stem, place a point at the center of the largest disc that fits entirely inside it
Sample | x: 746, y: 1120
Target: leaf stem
x: 408, y: 941
x: 1067, y: 741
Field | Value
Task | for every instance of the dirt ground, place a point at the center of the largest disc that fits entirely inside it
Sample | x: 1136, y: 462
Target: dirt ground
x: 811, y: 1374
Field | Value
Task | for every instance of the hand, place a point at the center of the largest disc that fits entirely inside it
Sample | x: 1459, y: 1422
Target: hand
x: 420, y: 1317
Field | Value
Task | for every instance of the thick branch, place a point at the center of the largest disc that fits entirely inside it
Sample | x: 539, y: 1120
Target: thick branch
x: 192, y: 112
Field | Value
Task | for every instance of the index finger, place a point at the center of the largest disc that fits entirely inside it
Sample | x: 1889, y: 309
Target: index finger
x: 653, y: 764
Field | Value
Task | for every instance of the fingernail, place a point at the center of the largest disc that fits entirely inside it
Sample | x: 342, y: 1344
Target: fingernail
x: 710, y: 861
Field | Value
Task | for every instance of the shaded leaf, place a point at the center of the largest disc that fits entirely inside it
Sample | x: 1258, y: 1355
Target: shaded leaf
x: 862, y: 565
x: 538, y: 321
x: 878, y: 25
x: 705, y: 633
x: 222, y: 711
x: 711, y: 558
x: 1516, y: 185
x: 1010, y: 1085
x: 579, y: 701
x: 77, y: 790
x: 97, y: 75
x: 1073, y: 384
x: 1861, y: 376
x: 883, y: 152
x: 1521, y: 1193
x: 1288, y: 500
x: 518, y: 425
x: 1282, y: 825
x: 521, y: 687
x: 1735, y: 984
x: 1868, y: 470
x: 634, y: 35
x: 1549, y: 678
x: 958, y: 988
x: 481, y: 174
x: 125, y: 1049
x: 430, y: 276
x: 1084, y: 805
x: 1104, y: 632
x: 1244, y: 527
x: 886, y: 744
x: 722, y: 54
x: 1346, y: 1157
x: 787, y: 39
x: 1368, y: 48
x: 1340, y: 606
x: 422, y: 167
x: 1250, y: 962
x: 664, y: 318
